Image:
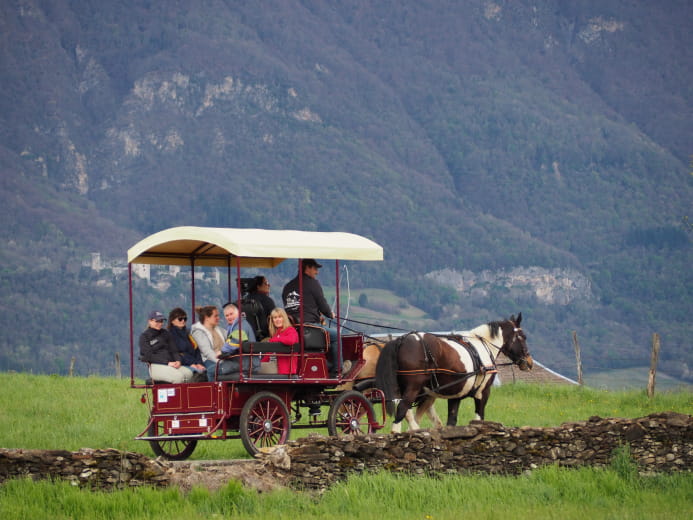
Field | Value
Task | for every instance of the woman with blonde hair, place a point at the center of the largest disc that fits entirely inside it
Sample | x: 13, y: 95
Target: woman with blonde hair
x: 282, y: 331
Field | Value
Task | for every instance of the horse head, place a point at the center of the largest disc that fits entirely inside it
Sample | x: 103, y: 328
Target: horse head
x: 515, y: 343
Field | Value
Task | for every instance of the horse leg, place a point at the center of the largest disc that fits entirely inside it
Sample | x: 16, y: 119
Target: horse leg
x: 426, y: 407
x: 453, y: 409
x: 481, y: 398
x: 404, y: 406
x: 411, y: 420
x: 479, y: 406
x: 433, y: 416
x: 403, y: 409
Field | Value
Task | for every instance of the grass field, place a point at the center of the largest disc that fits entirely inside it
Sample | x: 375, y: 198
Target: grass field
x: 630, y: 378
x: 50, y: 412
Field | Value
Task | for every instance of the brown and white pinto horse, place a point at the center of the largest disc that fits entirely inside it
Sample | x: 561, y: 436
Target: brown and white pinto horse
x: 418, y: 368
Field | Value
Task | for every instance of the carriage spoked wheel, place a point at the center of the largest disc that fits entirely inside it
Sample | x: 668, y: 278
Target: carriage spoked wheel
x: 264, y: 422
x: 173, y: 449
x: 351, y: 414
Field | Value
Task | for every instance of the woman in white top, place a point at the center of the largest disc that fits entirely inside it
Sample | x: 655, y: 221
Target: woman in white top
x: 209, y: 337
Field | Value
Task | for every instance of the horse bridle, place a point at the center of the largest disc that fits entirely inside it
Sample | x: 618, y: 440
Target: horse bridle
x: 505, y: 348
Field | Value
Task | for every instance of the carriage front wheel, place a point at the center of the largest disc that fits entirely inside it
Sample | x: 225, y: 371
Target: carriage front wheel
x: 171, y: 449
x: 265, y: 422
x: 351, y: 414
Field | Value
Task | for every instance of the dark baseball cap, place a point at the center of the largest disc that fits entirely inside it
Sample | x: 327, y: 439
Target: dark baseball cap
x: 156, y: 315
x: 310, y: 262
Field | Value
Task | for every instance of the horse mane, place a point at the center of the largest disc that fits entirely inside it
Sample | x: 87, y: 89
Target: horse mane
x: 489, y: 330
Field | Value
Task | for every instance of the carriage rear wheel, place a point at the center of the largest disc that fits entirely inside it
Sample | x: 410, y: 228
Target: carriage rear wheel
x: 265, y: 422
x: 351, y: 414
x: 173, y: 449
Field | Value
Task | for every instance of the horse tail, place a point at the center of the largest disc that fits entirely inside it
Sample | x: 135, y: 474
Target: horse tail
x: 386, y: 373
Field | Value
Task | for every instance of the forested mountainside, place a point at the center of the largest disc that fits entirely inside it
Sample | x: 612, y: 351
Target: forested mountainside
x: 522, y: 149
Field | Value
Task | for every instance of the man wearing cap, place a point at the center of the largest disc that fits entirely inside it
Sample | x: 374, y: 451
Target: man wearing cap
x: 159, y: 350
x: 314, y: 303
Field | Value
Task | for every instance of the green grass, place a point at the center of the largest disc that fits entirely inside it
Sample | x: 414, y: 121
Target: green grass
x: 548, y: 492
x: 50, y: 412
x: 634, y: 377
x: 54, y: 412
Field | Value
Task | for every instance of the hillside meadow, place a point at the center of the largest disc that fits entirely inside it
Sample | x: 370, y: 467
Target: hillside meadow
x: 52, y: 412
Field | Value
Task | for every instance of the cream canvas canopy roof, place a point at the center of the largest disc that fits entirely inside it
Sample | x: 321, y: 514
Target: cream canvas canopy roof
x: 254, y: 247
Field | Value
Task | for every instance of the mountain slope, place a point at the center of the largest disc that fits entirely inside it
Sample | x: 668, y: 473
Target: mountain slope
x: 477, y: 135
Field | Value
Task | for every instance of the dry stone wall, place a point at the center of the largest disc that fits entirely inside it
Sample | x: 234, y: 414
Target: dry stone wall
x: 661, y: 442
x: 658, y: 443
x: 99, y: 469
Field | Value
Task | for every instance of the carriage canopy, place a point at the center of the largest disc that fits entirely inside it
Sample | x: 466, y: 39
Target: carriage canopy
x: 209, y: 246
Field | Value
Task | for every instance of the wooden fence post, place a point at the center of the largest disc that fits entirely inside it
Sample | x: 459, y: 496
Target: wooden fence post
x: 653, y: 365
x: 117, y: 365
x: 72, y: 365
x: 577, y: 357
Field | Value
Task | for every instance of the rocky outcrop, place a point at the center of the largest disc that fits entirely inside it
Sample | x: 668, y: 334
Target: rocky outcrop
x: 553, y: 286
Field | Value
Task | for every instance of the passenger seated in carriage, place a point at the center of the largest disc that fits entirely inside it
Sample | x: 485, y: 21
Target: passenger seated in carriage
x: 209, y: 336
x: 237, y: 332
x: 259, y: 292
x: 282, y: 331
x: 158, y: 349
x: 187, y: 348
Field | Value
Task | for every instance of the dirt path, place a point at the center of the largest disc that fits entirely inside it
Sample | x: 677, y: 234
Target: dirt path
x: 213, y: 474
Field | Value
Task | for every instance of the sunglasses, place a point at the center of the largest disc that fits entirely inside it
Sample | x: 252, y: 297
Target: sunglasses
x: 182, y: 318
x: 159, y: 321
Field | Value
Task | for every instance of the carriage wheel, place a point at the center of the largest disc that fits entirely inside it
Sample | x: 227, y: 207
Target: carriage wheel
x: 351, y: 414
x: 265, y: 422
x: 174, y: 449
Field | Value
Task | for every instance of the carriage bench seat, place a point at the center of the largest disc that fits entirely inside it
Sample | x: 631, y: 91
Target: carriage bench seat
x: 315, y: 338
x: 265, y: 347
x: 259, y: 349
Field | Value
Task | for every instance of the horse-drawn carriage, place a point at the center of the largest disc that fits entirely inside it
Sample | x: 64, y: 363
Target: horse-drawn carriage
x: 258, y: 407
x: 261, y: 407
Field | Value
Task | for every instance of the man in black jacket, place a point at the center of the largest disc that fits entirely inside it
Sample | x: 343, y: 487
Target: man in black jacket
x: 159, y: 350
x: 314, y: 304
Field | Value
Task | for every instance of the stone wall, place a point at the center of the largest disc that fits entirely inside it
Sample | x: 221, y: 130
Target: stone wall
x: 99, y: 469
x: 661, y: 442
x: 658, y: 443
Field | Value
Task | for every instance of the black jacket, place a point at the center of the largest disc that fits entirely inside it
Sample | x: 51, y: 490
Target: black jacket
x: 266, y: 306
x: 314, y: 300
x: 157, y: 346
x: 189, y: 353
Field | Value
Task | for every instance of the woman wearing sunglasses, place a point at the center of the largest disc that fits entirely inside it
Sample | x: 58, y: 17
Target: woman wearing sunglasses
x: 190, y: 354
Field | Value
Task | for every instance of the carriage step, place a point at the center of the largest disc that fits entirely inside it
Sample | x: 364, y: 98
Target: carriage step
x: 183, y: 437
